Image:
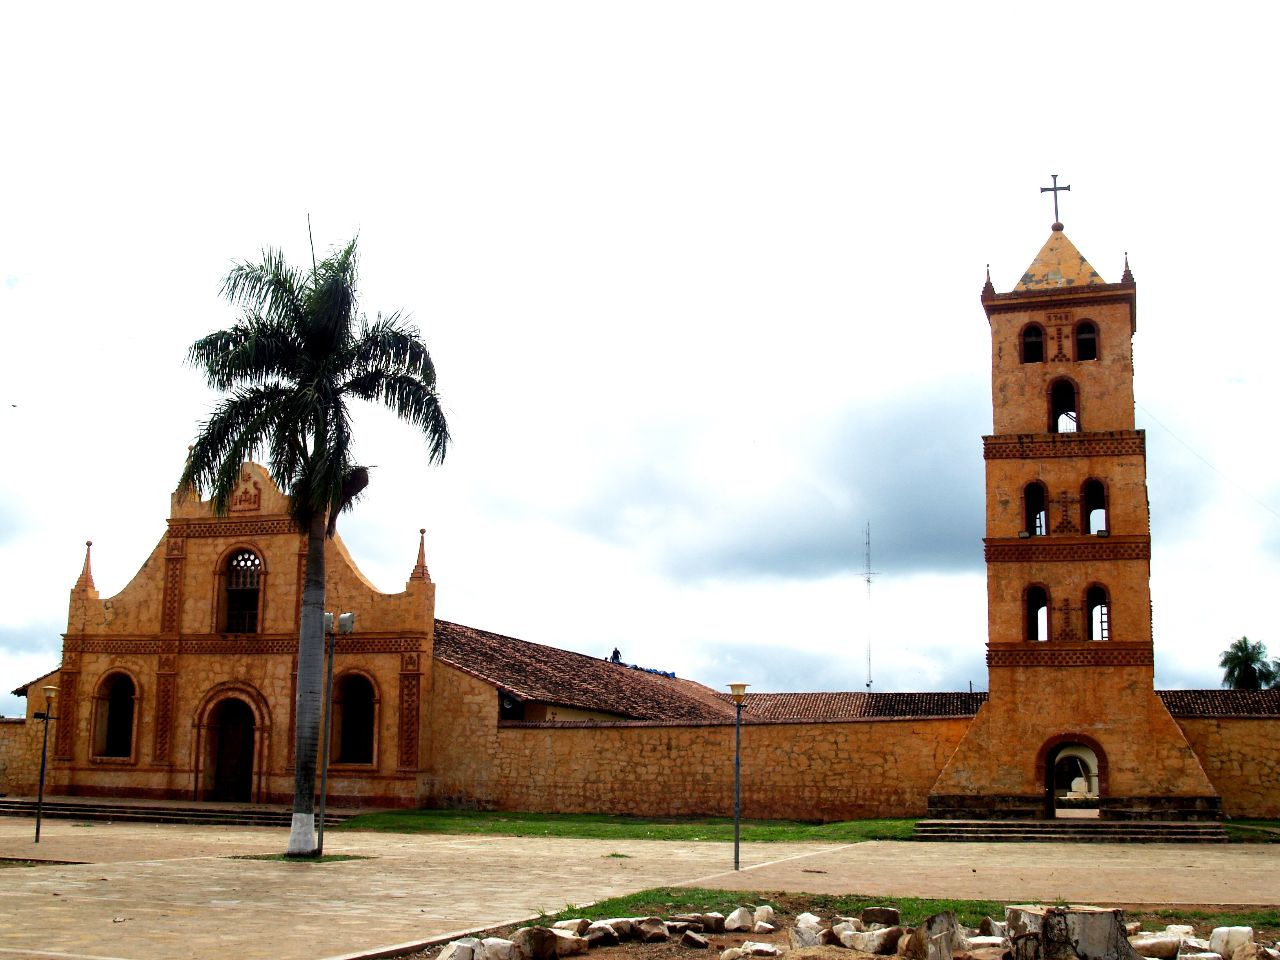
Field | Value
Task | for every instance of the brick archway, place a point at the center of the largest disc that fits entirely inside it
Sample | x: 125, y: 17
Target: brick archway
x: 1048, y: 754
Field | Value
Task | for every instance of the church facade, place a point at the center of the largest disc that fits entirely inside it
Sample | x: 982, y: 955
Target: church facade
x: 182, y: 685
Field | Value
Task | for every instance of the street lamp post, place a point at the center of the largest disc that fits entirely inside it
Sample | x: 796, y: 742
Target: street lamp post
x: 739, y: 693
x: 346, y: 624
x: 46, y: 715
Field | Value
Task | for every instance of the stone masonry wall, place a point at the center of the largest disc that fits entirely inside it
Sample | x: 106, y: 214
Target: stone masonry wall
x: 1242, y: 759
x: 826, y: 771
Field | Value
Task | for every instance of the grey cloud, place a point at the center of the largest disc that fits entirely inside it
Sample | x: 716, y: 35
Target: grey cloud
x: 912, y: 468
x: 43, y: 637
x: 786, y: 670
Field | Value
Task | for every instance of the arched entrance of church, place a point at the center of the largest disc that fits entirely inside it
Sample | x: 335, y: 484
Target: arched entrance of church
x: 229, y: 752
x: 1073, y: 771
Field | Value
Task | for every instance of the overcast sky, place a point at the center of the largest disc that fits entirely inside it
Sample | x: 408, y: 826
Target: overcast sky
x: 701, y: 281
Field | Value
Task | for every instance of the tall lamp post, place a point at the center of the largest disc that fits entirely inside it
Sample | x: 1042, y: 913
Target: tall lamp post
x: 46, y: 715
x: 346, y: 624
x: 739, y: 693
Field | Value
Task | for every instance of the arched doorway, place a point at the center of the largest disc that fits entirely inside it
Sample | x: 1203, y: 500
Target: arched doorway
x: 1073, y: 778
x: 229, y: 752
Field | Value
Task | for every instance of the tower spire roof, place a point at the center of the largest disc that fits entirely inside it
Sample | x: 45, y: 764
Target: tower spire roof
x: 86, y: 574
x: 420, y: 571
x: 1058, y: 264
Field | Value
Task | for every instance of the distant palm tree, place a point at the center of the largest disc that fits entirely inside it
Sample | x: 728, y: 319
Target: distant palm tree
x: 289, y: 365
x: 1246, y: 666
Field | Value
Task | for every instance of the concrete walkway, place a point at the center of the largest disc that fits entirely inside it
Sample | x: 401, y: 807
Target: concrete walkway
x: 146, y: 891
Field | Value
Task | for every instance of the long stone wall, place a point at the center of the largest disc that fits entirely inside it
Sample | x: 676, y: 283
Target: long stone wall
x: 1241, y: 757
x: 19, y: 756
x: 809, y: 771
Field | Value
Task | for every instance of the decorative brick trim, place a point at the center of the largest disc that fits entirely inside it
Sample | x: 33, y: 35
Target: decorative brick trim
x: 66, y: 715
x: 1042, y: 446
x: 236, y: 644
x: 1097, y: 654
x: 410, y: 684
x: 171, y: 606
x: 233, y: 528
x: 1067, y: 549
x: 165, y: 687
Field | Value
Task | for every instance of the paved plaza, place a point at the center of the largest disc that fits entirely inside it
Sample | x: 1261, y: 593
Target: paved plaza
x: 158, y: 892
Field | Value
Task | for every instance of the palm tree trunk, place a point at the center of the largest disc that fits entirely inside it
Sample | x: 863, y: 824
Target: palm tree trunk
x: 302, y: 834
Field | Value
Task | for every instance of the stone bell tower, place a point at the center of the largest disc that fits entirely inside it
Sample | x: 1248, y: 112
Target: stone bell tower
x: 1072, y: 709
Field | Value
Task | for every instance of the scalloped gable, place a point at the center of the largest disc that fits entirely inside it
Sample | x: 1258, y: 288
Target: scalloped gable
x: 255, y: 495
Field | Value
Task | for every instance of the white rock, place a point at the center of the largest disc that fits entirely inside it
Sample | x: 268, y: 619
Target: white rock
x: 495, y: 948
x: 807, y: 932
x: 764, y: 914
x: 1227, y: 940
x: 733, y: 953
x: 1181, y: 930
x: 464, y: 949
x: 883, y: 941
x: 761, y: 949
x: 842, y: 928
x: 740, y: 919
x: 762, y: 928
x: 568, y: 943
x: 1206, y: 955
x: 855, y: 922
x: 1156, y: 946
x: 577, y: 926
x: 980, y: 940
x: 1193, y: 945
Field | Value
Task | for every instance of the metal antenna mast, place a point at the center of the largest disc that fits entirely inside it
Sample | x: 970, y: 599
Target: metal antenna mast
x: 868, y: 575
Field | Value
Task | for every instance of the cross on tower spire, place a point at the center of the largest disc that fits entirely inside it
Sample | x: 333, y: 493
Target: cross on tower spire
x: 1055, y: 190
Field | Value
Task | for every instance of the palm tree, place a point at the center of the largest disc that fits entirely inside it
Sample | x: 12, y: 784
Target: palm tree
x: 288, y: 366
x: 1246, y: 666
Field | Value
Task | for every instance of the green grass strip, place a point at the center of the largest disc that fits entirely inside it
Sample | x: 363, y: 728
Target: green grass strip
x: 588, y: 826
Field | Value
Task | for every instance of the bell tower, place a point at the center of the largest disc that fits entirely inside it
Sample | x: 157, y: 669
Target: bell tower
x: 1072, y: 710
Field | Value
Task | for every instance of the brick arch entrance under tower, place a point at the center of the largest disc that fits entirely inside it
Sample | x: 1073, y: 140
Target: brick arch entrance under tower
x: 232, y: 737
x: 1071, y: 753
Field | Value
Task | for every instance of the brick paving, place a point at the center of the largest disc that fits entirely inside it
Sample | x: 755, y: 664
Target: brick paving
x: 149, y: 891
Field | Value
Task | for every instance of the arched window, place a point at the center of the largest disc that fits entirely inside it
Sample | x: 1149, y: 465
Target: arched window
x: 1033, y: 343
x: 1037, y: 614
x: 243, y: 578
x: 1093, y: 503
x: 1097, y: 613
x: 113, y: 711
x: 1086, y: 341
x: 1035, y: 519
x: 351, y: 735
x: 1064, y: 415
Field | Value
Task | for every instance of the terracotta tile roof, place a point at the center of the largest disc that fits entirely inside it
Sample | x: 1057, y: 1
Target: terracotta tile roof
x: 800, y: 707
x: 1222, y: 703
x: 539, y: 674
x: 22, y: 690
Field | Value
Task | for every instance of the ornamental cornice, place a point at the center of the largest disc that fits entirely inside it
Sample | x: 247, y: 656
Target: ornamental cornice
x: 257, y: 527
x: 1065, y: 549
x: 1043, y: 446
x: 1101, y: 653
